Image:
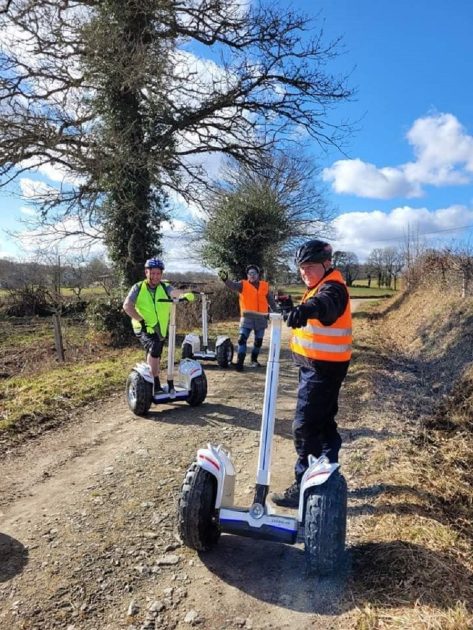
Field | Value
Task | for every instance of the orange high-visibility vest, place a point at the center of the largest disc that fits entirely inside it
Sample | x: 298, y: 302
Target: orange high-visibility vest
x: 252, y: 299
x: 324, y: 343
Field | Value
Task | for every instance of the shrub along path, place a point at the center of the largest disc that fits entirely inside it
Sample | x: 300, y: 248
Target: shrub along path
x: 88, y: 539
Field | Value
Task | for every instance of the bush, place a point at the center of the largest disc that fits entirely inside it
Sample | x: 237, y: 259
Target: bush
x: 223, y: 305
x: 28, y: 301
x: 109, y: 317
x: 74, y: 307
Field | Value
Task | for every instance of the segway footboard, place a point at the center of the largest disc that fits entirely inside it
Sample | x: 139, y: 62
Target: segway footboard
x: 268, y: 527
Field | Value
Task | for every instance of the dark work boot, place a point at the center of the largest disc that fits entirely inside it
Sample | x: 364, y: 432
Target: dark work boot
x: 157, y: 386
x: 239, y: 363
x: 289, y: 498
x: 254, y: 361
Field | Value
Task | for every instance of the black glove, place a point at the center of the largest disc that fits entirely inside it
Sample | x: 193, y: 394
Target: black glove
x: 143, y: 325
x: 298, y: 317
x: 223, y: 275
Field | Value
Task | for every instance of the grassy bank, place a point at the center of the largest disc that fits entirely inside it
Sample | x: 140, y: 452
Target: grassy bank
x: 38, y: 393
x: 408, y: 459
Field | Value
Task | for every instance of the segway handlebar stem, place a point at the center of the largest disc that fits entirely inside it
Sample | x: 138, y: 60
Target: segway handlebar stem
x: 172, y: 338
x: 269, y: 401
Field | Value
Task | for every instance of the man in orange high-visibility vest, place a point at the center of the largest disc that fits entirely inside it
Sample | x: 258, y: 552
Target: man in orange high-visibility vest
x: 255, y: 302
x: 321, y: 348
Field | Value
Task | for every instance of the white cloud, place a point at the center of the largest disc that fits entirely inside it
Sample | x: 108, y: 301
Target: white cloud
x: 53, y: 171
x: 32, y: 189
x: 361, y: 232
x: 444, y: 156
x: 30, y: 212
x: 366, y: 180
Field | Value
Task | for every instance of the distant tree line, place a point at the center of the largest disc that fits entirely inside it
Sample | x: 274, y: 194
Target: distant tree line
x: 414, y: 263
x: 54, y: 274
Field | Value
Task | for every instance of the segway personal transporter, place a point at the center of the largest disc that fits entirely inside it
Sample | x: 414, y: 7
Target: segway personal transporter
x: 206, y: 503
x: 191, y: 349
x: 191, y: 385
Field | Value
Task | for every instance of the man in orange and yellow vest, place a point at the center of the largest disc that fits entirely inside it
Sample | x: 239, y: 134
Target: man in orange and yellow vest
x: 255, y: 302
x: 321, y: 348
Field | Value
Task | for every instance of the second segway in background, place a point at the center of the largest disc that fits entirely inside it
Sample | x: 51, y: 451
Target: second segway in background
x: 192, y: 349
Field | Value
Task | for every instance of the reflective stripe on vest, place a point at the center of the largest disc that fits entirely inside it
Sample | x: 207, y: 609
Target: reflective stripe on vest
x: 152, y: 311
x: 252, y: 299
x: 325, y: 343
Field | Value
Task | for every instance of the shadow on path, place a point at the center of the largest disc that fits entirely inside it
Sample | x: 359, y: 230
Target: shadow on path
x: 13, y: 557
x: 275, y: 573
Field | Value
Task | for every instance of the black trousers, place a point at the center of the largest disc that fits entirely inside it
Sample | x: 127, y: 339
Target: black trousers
x: 314, y: 427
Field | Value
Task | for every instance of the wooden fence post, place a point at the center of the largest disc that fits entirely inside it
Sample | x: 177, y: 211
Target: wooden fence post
x: 58, y: 337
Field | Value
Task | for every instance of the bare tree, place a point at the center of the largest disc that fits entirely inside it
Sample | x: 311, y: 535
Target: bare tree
x: 259, y: 215
x: 412, y: 248
x: 348, y: 264
x: 392, y: 260
x: 461, y: 257
x: 376, y: 264
x: 109, y: 95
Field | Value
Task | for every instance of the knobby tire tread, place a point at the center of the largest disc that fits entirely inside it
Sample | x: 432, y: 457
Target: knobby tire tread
x: 144, y: 394
x: 325, y: 526
x: 186, y: 352
x: 225, y: 353
x: 196, y: 509
x: 198, y: 391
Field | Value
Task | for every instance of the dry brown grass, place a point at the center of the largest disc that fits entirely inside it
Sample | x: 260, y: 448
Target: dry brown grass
x: 409, y: 462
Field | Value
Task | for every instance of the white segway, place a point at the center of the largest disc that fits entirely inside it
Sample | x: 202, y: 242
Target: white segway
x: 191, y: 348
x: 206, y: 503
x: 191, y: 385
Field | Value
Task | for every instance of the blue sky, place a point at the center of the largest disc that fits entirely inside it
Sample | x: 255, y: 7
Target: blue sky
x: 409, y: 163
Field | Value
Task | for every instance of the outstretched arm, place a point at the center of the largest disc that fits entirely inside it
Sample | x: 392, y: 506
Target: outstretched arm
x: 327, y: 306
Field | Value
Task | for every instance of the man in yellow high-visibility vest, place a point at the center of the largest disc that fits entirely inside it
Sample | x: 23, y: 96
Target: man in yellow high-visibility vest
x: 150, y: 314
x: 321, y: 348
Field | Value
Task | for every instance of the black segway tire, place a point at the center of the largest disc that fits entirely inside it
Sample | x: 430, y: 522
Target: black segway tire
x: 198, y: 390
x: 186, y: 352
x: 139, y: 394
x: 325, y: 526
x: 197, y: 518
x: 224, y: 353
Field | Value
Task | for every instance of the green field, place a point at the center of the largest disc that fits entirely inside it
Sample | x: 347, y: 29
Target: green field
x: 357, y: 291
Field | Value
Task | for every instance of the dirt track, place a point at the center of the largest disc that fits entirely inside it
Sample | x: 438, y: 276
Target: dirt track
x: 87, y: 536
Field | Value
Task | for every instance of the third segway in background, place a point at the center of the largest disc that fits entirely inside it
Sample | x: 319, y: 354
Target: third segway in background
x: 191, y: 385
x: 191, y: 348
x: 206, y: 504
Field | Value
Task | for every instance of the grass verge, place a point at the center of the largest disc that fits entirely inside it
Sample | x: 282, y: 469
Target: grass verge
x: 37, y: 393
x: 410, y: 506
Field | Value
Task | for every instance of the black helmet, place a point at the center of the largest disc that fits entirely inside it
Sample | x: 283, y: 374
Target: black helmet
x: 313, y: 251
x: 255, y: 267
